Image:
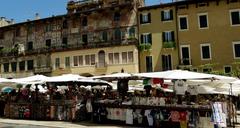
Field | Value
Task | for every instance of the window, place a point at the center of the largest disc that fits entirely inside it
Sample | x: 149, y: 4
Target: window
x: 80, y: 60
x: 110, y: 58
x: 57, y: 63
x: 1, y: 35
x: 84, y: 38
x: 205, y: 51
x: 149, y: 67
x: 195, y: 70
x: 235, y: 17
x: 18, y: 32
x: 14, y: 66
x: 227, y: 69
x: 65, y: 41
x: 168, y: 36
x: 145, y: 18
x: 185, y: 55
x: 146, y: 38
x: 117, y: 34
x: 65, y: 24
x: 30, y: 45
x: 84, y: 21
x: 48, y: 43
x: 167, y: 15
x: 207, y: 70
x: 132, y: 32
x: 124, y: 57
x: 183, y: 23
x: 22, y: 66
x: 104, y: 36
x: 48, y: 28
x: 166, y: 62
x: 6, y: 67
x: 90, y: 59
x: 67, y: 62
x: 75, y: 60
x: 130, y: 57
x: 116, y: 58
x: 236, y: 49
x: 116, y: 16
x: 203, y: 20
x: 30, y: 65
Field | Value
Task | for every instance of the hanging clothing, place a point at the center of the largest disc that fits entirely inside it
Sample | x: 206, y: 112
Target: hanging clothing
x: 175, y: 116
x: 180, y: 87
x: 149, y: 117
x: 129, y: 116
x: 89, y: 106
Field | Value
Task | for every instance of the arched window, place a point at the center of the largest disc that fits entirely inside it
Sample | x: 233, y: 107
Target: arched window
x: 116, y: 16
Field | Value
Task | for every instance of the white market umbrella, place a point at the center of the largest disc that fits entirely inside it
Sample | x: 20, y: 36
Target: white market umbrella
x: 175, y: 74
x: 93, y: 81
x: 3, y: 80
x: 114, y: 76
x: 65, y: 78
x: 31, y: 79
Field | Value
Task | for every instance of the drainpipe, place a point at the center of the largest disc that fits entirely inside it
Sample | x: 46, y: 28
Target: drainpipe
x: 177, y: 40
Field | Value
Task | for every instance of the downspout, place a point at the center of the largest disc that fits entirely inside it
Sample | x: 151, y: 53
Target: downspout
x: 177, y: 40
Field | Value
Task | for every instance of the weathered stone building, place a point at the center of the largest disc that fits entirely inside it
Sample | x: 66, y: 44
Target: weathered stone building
x: 95, y: 37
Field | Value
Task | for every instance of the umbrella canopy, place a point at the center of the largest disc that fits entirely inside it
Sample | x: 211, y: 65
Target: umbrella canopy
x: 175, y: 74
x: 65, y: 78
x: 236, y: 82
x: 31, y: 79
x: 92, y: 81
x: 115, y: 76
x: 182, y: 74
x: 3, y: 80
x: 6, y: 89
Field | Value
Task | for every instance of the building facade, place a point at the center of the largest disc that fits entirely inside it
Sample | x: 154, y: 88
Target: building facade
x: 158, y: 38
x: 93, y: 38
x: 206, y: 34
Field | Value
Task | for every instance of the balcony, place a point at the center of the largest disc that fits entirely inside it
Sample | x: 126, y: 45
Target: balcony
x: 185, y: 62
x: 169, y: 44
x: 144, y: 47
x: 43, y: 69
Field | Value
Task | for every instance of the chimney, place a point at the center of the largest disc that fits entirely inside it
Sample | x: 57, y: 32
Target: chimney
x: 37, y: 17
x: 12, y: 21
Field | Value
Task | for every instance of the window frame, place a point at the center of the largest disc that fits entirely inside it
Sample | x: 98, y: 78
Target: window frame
x: 146, y: 63
x: 142, y: 22
x: 230, y: 16
x: 233, y: 45
x: 227, y: 66
x: 179, y: 23
x: 199, y: 22
x: 57, y: 64
x: 210, y: 51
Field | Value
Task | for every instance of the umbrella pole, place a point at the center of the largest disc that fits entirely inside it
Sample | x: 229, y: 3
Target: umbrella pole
x: 232, y: 106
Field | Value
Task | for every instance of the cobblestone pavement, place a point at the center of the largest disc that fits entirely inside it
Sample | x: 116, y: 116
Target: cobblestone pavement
x: 11, y: 123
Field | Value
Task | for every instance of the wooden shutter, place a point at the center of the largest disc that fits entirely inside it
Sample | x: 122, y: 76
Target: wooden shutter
x: 150, y: 38
x: 163, y: 36
x: 162, y: 15
x: 171, y: 14
x: 141, y: 39
x: 149, y: 17
x: 141, y: 19
x: 172, y: 34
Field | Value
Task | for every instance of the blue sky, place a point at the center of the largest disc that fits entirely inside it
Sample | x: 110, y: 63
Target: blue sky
x: 20, y: 10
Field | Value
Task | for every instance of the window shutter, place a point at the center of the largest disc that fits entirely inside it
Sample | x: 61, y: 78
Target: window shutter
x: 163, y: 36
x: 141, y: 39
x: 150, y: 38
x: 173, y: 37
x: 149, y: 17
x: 141, y: 19
x: 162, y: 15
x: 171, y: 14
